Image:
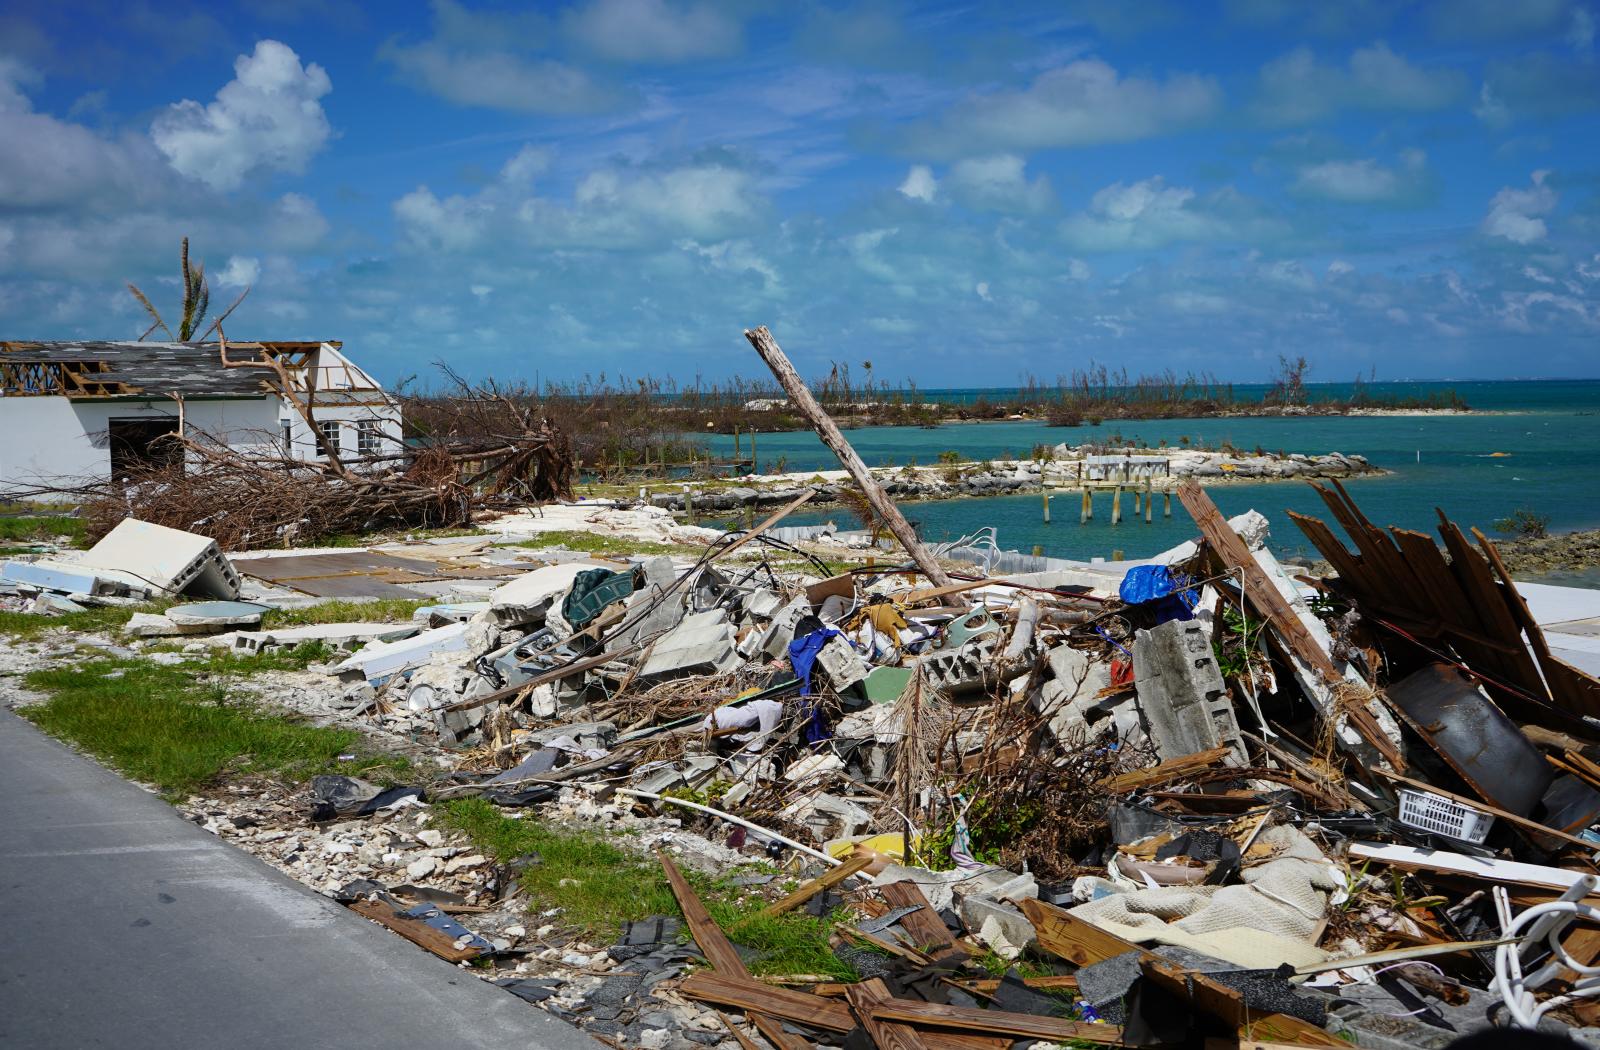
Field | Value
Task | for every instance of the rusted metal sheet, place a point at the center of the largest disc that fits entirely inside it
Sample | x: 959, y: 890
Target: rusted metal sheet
x: 1474, y: 737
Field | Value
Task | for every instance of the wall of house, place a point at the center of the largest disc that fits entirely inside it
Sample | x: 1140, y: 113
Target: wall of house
x: 354, y: 402
x: 383, y: 418
x: 45, y: 440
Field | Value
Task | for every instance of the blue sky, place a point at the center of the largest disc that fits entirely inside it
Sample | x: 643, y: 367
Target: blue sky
x: 962, y: 195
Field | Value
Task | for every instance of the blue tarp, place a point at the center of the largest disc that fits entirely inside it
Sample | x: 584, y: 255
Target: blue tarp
x: 1154, y: 583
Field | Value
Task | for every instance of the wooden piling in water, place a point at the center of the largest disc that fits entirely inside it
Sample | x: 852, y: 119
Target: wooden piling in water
x: 1087, y: 514
x: 1166, y: 509
x: 1046, y: 508
x: 1149, y: 498
x: 1116, y: 505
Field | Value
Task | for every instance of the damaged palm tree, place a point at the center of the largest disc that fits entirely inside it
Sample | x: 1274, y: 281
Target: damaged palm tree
x: 196, y: 301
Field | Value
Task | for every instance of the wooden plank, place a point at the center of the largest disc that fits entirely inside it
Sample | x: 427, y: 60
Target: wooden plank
x: 741, y: 993
x: 1455, y: 612
x: 988, y: 985
x: 1478, y: 583
x: 745, y: 1042
x: 927, y: 930
x: 1272, y: 606
x: 714, y: 944
x: 1570, y: 688
x: 883, y: 944
x: 775, y: 1034
x: 1083, y: 943
x: 827, y: 880
x: 1380, y: 562
x: 888, y: 1035
x: 1347, y: 565
x: 415, y: 930
x: 1262, y: 594
x: 1030, y: 1026
x: 828, y: 431
x: 1162, y: 772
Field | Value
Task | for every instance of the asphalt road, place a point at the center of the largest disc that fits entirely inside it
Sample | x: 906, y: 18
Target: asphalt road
x: 125, y: 926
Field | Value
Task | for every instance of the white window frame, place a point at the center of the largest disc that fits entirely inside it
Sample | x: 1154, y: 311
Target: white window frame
x: 330, y: 435
x: 369, y: 437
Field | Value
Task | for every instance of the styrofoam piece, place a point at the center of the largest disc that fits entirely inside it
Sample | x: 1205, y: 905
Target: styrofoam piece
x: 378, y: 660
x: 168, y: 560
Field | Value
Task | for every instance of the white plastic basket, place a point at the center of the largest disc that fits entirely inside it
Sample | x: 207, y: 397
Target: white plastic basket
x: 1443, y: 816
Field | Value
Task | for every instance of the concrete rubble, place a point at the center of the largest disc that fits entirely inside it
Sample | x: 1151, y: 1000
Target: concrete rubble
x: 1056, y: 801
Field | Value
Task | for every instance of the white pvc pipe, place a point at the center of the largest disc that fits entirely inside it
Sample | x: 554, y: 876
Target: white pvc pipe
x: 807, y: 850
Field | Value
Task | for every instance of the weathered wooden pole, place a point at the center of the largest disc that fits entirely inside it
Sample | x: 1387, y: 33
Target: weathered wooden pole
x: 1047, y: 508
x: 1087, y: 514
x: 1149, y: 498
x: 828, y: 431
x: 1116, y: 506
x: 1166, y: 508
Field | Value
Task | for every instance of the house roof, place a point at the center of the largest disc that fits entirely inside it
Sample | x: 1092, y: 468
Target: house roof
x: 94, y: 369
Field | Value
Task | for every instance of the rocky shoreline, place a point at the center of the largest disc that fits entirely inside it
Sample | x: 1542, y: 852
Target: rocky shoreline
x: 1010, y: 477
x: 1570, y: 551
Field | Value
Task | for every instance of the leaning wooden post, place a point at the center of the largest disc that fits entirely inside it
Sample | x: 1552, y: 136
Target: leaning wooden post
x: 828, y: 431
x: 1116, y: 505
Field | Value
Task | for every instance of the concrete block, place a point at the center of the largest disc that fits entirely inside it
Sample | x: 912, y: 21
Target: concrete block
x: 1181, y: 693
x: 775, y: 641
x: 529, y: 597
x: 1003, y: 928
x: 702, y: 644
x: 379, y: 660
x: 170, y: 561
x: 841, y: 663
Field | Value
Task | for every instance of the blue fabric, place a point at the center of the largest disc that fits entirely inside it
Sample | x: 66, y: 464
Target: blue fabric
x: 803, y: 657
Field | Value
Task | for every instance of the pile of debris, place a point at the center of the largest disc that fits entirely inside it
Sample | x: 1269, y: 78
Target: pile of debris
x: 1200, y: 796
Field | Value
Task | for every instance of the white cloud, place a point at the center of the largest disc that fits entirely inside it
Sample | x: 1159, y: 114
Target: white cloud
x: 919, y: 184
x: 241, y: 271
x: 1514, y: 214
x: 492, y: 59
x: 1580, y: 33
x: 500, y: 79
x: 1365, y: 181
x: 1078, y: 270
x: 1151, y: 214
x: 650, y: 31
x: 999, y: 183
x: 1297, y: 88
x: 1082, y: 103
x: 295, y: 223
x: 982, y: 288
x: 268, y: 117
x: 610, y: 208
x: 1490, y: 109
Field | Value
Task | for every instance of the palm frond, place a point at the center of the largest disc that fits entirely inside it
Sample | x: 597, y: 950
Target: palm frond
x: 155, y: 314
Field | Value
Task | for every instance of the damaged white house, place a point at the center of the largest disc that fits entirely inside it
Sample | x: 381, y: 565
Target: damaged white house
x: 74, y: 410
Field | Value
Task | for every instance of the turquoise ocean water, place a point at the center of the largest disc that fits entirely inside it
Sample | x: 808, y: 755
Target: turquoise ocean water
x: 1551, y: 430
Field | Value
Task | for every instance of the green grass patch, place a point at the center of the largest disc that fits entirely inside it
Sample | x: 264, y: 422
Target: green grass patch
x: 97, y: 620
x: 599, y: 882
x: 51, y: 528
x: 382, y: 610
x: 593, y: 543
x: 182, y: 727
